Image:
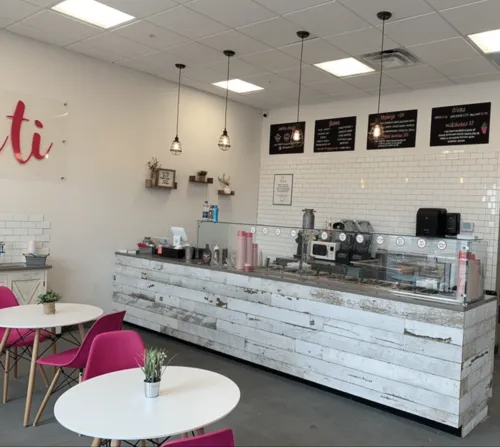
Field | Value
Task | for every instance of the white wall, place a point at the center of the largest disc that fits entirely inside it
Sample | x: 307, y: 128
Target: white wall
x: 387, y: 187
x: 118, y: 120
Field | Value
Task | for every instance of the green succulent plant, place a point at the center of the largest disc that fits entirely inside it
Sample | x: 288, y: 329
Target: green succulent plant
x: 49, y: 297
x: 156, y: 361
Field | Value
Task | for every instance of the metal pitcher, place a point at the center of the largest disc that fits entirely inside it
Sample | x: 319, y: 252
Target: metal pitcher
x: 308, y: 219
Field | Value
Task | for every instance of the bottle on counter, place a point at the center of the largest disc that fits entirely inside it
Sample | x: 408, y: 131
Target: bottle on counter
x: 216, y: 255
x: 215, y: 214
x: 255, y: 255
x: 206, y: 208
x: 241, y: 250
x: 249, y: 250
x: 210, y: 212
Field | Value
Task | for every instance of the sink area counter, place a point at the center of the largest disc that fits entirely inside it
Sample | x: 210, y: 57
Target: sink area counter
x: 432, y: 360
x: 21, y: 267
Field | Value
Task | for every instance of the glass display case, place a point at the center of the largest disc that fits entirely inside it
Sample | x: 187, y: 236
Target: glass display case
x: 442, y: 269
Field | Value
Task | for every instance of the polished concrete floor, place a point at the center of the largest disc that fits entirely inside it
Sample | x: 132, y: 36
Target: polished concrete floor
x: 273, y: 411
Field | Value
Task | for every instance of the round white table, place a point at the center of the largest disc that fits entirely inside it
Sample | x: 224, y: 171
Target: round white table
x: 113, y: 406
x: 31, y: 317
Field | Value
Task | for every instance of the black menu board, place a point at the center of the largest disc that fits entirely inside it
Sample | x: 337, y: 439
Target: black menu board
x: 335, y: 134
x: 458, y: 125
x: 280, y: 138
x: 400, y: 130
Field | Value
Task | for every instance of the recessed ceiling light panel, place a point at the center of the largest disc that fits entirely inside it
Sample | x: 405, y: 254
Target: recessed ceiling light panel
x: 488, y: 42
x: 238, y: 86
x: 345, y: 67
x: 93, y: 12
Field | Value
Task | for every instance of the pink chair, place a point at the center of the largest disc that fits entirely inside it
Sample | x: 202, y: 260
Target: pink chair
x: 18, y: 338
x: 219, y: 438
x: 114, y: 351
x: 77, y: 358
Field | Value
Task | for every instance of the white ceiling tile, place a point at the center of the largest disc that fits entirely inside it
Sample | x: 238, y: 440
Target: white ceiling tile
x: 17, y: 9
x: 327, y: 20
x: 140, y: 8
x: 196, y: 53
x: 151, y: 35
x: 477, y: 78
x: 157, y: 62
x: 323, y: 99
x: 422, y: 29
x: 4, y: 22
x: 401, y: 9
x: 95, y: 52
x: 315, y: 51
x: 43, y: 36
x: 239, y: 68
x: 232, y: 13
x: 53, y: 23
x: 390, y: 90
x: 286, y: 6
x: 309, y: 74
x: 475, y: 18
x: 360, y: 42
x: 202, y: 74
x: 431, y: 84
x: 272, y: 81
x: 43, y: 3
x: 274, y: 32
x: 370, y: 81
x: 418, y: 73
x: 272, y: 60
x: 466, y: 67
x: 444, y: 50
x: 236, y: 41
x: 333, y: 87
x: 447, y: 4
x: 187, y: 23
x: 118, y: 45
x: 203, y: 86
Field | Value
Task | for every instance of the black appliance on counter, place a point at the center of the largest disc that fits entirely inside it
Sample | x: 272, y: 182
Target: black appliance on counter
x: 355, y: 239
x: 431, y: 222
x: 452, y: 224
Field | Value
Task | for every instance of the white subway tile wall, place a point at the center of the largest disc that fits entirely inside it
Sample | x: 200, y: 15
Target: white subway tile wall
x: 16, y: 230
x: 387, y: 190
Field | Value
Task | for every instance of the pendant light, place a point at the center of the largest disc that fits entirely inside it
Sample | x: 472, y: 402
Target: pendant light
x: 176, y: 147
x: 377, y: 130
x: 224, y: 141
x: 297, y: 134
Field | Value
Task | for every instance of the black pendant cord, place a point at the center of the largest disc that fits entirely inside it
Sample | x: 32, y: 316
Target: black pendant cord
x: 300, y: 79
x: 381, y: 64
x: 227, y: 93
x: 178, y: 104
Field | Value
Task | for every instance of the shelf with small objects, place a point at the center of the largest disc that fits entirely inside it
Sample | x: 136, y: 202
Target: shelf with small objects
x: 206, y: 181
x: 160, y: 178
x: 225, y: 183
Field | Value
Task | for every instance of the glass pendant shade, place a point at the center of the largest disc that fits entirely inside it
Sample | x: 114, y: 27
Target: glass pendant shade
x: 377, y: 132
x: 224, y: 141
x: 297, y: 137
x: 176, y: 147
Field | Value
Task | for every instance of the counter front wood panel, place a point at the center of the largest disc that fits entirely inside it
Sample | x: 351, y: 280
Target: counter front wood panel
x: 432, y: 362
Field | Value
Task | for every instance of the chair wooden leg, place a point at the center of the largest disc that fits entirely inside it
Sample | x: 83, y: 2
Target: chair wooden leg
x: 31, y: 380
x: 6, y: 368
x: 185, y: 435
x: 81, y: 329
x: 4, y: 341
x: 116, y: 443
x: 47, y: 397
x: 200, y: 431
x: 96, y: 442
x: 142, y: 443
x: 15, y: 364
x: 44, y: 375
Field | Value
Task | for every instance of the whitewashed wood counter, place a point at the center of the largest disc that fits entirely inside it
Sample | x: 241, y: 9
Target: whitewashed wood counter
x: 428, y: 359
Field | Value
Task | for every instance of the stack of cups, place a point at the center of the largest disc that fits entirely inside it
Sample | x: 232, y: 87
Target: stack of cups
x: 241, y: 251
x: 249, y: 253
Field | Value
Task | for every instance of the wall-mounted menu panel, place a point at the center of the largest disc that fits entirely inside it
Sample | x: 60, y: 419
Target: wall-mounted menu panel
x: 463, y: 124
x: 400, y: 130
x: 280, y: 139
x: 335, y: 134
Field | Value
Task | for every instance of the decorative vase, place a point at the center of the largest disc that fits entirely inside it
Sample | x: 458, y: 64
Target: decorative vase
x: 227, y: 190
x: 151, y: 389
x: 149, y: 183
x: 49, y: 308
x: 207, y: 255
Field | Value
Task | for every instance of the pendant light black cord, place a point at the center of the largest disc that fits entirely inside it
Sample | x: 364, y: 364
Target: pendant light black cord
x: 381, y: 66
x: 178, y: 104
x: 227, y: 92
x: 300, y: 78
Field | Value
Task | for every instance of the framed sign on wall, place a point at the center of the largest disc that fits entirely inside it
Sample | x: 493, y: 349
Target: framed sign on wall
x: 335, y: 134
x: 400, y: 130
x: 280, y: 139
x: 283, y: 189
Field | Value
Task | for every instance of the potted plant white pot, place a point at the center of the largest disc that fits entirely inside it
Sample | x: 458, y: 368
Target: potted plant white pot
x: 48, y: 301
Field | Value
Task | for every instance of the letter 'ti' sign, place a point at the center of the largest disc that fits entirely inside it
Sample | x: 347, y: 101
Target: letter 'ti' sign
x: 18, y: 119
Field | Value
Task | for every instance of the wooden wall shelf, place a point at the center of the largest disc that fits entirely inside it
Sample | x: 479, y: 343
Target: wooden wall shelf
x: 160, y: 187
x: 208, y: 181
x: 222, y: 193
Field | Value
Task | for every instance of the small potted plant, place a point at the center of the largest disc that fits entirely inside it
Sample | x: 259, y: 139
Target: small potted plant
x: 49, y: 300
x: 201, y: 176
x: 156, y: 361
x: 153, y: 166
x: 225, y: 183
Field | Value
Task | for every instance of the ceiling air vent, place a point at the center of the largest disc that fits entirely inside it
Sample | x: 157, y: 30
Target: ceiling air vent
x: 395, y: 58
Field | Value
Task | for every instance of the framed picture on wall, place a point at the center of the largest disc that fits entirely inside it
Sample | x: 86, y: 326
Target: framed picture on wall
x: 283, y: 189
x: 165, y: 178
